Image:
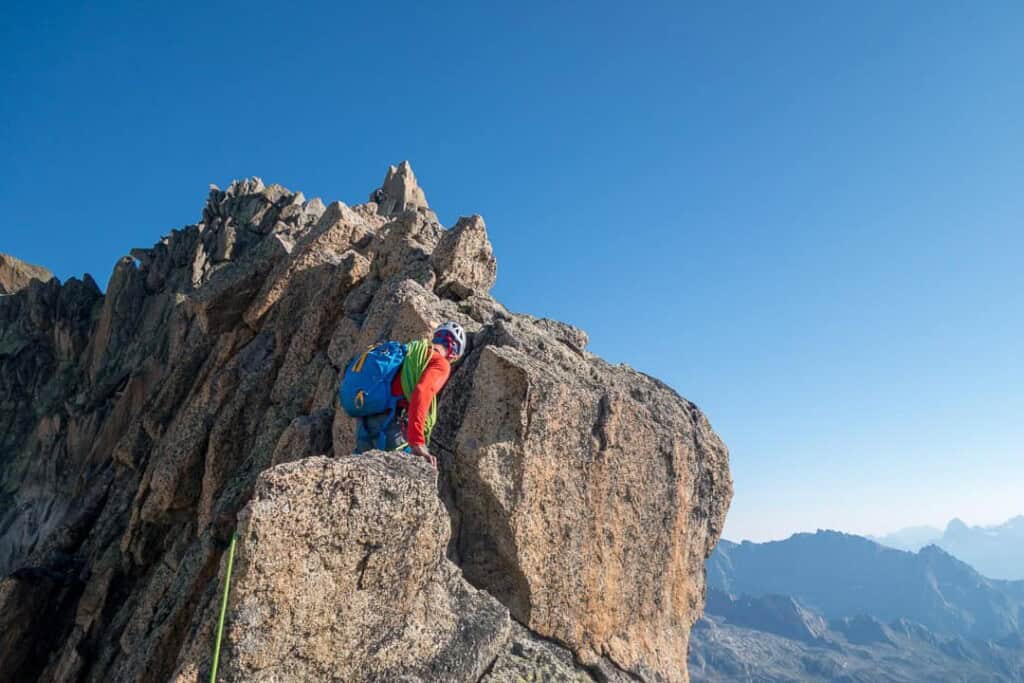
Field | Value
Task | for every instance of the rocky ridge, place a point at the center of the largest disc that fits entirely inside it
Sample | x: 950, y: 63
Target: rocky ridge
x: 562, y: 537
x: 837, y: 607
x: 996, y: 551
x: 754, y: 639
x: 842, y: 575
x: 15, y: 274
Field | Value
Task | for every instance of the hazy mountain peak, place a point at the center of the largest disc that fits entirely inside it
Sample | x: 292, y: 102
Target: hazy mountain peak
x: 956, y: 526
x: 843, y: 575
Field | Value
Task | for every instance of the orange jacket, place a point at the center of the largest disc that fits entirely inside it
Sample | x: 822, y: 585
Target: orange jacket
x: 431, y: 382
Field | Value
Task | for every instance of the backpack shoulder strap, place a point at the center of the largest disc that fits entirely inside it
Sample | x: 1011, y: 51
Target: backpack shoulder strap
x: 417, y: 354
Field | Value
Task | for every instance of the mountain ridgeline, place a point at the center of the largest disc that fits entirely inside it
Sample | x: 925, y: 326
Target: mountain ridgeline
x: 563, y: 536
x: 996, y: 551
x: 845, y: 575
x: 830, y: 606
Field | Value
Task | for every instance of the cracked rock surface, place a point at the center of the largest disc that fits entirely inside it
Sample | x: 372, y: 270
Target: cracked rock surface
x: 143, y: 426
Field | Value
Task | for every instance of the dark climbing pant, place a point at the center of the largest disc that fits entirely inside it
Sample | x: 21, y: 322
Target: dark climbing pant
x: 368, y: 431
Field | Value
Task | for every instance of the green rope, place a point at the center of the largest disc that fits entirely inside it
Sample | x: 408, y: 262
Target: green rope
x: 417, y: 355
x: 223, y: 610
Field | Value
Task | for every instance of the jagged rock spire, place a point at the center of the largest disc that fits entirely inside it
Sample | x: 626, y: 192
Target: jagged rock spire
x: 399, y: 192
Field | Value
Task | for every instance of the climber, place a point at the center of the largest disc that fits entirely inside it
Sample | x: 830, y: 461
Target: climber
x: 392, y: 388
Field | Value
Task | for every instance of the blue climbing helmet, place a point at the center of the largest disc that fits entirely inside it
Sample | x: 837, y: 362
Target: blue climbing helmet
x: 452, y: 336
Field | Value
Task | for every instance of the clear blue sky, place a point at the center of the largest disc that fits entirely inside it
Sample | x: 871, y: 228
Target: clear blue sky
x: 807, y: 217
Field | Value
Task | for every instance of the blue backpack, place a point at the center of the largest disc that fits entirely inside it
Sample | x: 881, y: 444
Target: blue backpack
x: 366, y: 387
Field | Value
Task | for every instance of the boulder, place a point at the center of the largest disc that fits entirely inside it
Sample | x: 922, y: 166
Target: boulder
x: 588, y: 495
x: 340, y: 575
x: 464, y: 260
x: 403, y: 248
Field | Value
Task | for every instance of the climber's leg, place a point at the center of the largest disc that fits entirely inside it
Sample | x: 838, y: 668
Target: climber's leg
x: 369, y: 429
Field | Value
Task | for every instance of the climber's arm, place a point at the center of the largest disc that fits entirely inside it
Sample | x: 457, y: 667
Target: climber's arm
x: 431, y: 382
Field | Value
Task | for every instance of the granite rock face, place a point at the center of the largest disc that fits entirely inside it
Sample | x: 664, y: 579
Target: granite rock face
x: 341, y: 575
x: 589, y: 495
x: 144, y: 426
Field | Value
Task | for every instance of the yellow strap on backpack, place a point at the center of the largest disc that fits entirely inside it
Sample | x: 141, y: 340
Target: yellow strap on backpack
x: 358, y: 367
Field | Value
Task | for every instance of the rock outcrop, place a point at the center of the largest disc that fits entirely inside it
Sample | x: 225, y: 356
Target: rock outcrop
x: 15, y: 274
x: 341, y: 575
x: 465, y: 260
x: 562, y: 468
x: 565, y: 532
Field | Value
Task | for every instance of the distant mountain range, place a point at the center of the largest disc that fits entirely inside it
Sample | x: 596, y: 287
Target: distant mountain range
x: 912, y: 538
x: 995, y: 551
x: 830, y: 606
x: 842, y: 575
x: 774, y: 639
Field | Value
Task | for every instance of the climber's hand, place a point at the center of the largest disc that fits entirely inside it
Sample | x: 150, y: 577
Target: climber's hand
x: 422, y: 452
